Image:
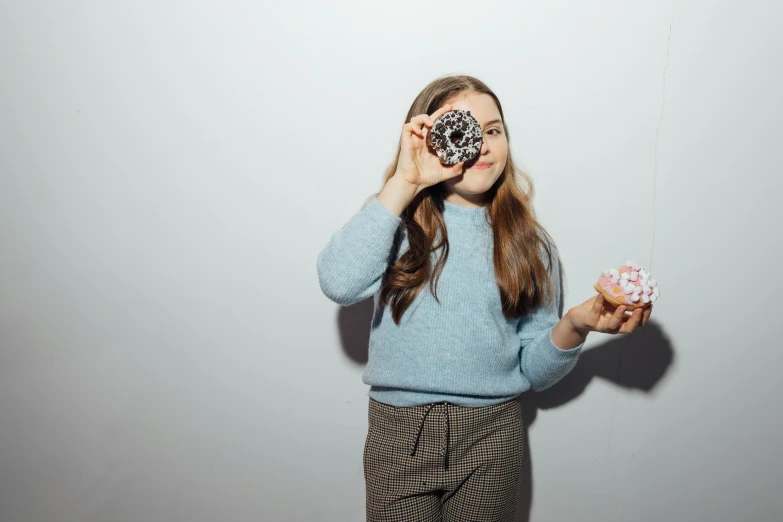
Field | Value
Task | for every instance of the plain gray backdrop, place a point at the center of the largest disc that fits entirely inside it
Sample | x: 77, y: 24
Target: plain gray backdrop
x: 169, y: 171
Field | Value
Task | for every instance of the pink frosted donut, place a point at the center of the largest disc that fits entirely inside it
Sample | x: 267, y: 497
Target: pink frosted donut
x: 629, y: 285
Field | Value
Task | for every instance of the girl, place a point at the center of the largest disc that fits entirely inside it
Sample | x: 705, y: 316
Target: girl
x: 466, y: 318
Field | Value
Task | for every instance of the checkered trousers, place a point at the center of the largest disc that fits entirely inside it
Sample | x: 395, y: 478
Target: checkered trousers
x: 442, y: 462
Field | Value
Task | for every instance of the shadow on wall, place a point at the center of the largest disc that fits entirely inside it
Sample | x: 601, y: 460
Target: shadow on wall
x: 637, y: 361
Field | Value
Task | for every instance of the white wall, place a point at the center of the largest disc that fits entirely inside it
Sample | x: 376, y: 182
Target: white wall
x: 170, y: 170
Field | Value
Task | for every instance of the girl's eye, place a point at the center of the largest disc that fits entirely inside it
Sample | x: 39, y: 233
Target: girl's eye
x: 496, y: 131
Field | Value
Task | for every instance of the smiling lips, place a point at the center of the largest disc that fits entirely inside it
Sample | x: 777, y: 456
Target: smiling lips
x: 481, y: 165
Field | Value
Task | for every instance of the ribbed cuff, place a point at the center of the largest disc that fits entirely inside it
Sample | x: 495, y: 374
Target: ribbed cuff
x: 376, y: 208
x: 576, y: 349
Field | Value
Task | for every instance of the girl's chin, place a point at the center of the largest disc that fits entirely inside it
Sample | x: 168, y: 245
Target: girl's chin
x: 469, y: 184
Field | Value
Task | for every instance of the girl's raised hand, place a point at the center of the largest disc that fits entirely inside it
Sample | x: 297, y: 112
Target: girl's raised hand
x: 417, y: 165
x: 598, y: 315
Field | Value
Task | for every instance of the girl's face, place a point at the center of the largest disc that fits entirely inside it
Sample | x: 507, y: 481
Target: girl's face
x: 481, y: 172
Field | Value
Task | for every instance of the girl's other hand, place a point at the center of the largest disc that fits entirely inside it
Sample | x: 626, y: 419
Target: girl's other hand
x: 598, y: 315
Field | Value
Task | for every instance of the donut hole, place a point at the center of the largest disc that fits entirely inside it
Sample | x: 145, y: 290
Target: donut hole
x: 456, y: 137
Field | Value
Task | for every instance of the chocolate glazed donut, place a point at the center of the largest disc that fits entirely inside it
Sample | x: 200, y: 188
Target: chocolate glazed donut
x: 455, y: 137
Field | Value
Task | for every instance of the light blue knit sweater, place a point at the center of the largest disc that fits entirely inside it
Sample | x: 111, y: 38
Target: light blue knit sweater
x: 462, y: 350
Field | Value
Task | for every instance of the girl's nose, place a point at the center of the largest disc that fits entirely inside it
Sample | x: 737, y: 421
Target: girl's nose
x: 484, y: 147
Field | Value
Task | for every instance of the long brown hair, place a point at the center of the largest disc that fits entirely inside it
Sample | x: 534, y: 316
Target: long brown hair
x: 519, y: 239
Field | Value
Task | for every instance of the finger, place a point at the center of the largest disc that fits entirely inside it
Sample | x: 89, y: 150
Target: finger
x: 420, y: 120
x: 412, y: 128
x: 452, y: 171
x: 617, y: 317
x: 593, y: 316
x: 633, y: 322
x: 598, y: 304
x: 440, y: 112
x: 607, y: 307
x: 405, y: 139
x: 646, y: 315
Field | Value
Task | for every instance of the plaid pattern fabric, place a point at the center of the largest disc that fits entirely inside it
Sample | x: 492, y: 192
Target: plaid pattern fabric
x: 442, y: 462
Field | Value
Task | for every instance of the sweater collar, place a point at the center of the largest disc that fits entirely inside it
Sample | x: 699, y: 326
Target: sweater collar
x: 453, y: 213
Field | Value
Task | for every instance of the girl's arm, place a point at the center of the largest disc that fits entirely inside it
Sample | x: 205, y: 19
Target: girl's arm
x: 565, y: 336
x: 549, y: 344
x: 351, y: 266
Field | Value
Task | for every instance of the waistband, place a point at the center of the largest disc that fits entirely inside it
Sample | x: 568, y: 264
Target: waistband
x: 448, y: 409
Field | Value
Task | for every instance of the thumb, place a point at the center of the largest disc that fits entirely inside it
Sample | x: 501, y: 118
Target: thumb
x: 597, y: 304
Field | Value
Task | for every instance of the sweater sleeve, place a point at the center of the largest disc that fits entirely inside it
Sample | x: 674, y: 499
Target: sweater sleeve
x: 352, y: 264
x: 540, y: 360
